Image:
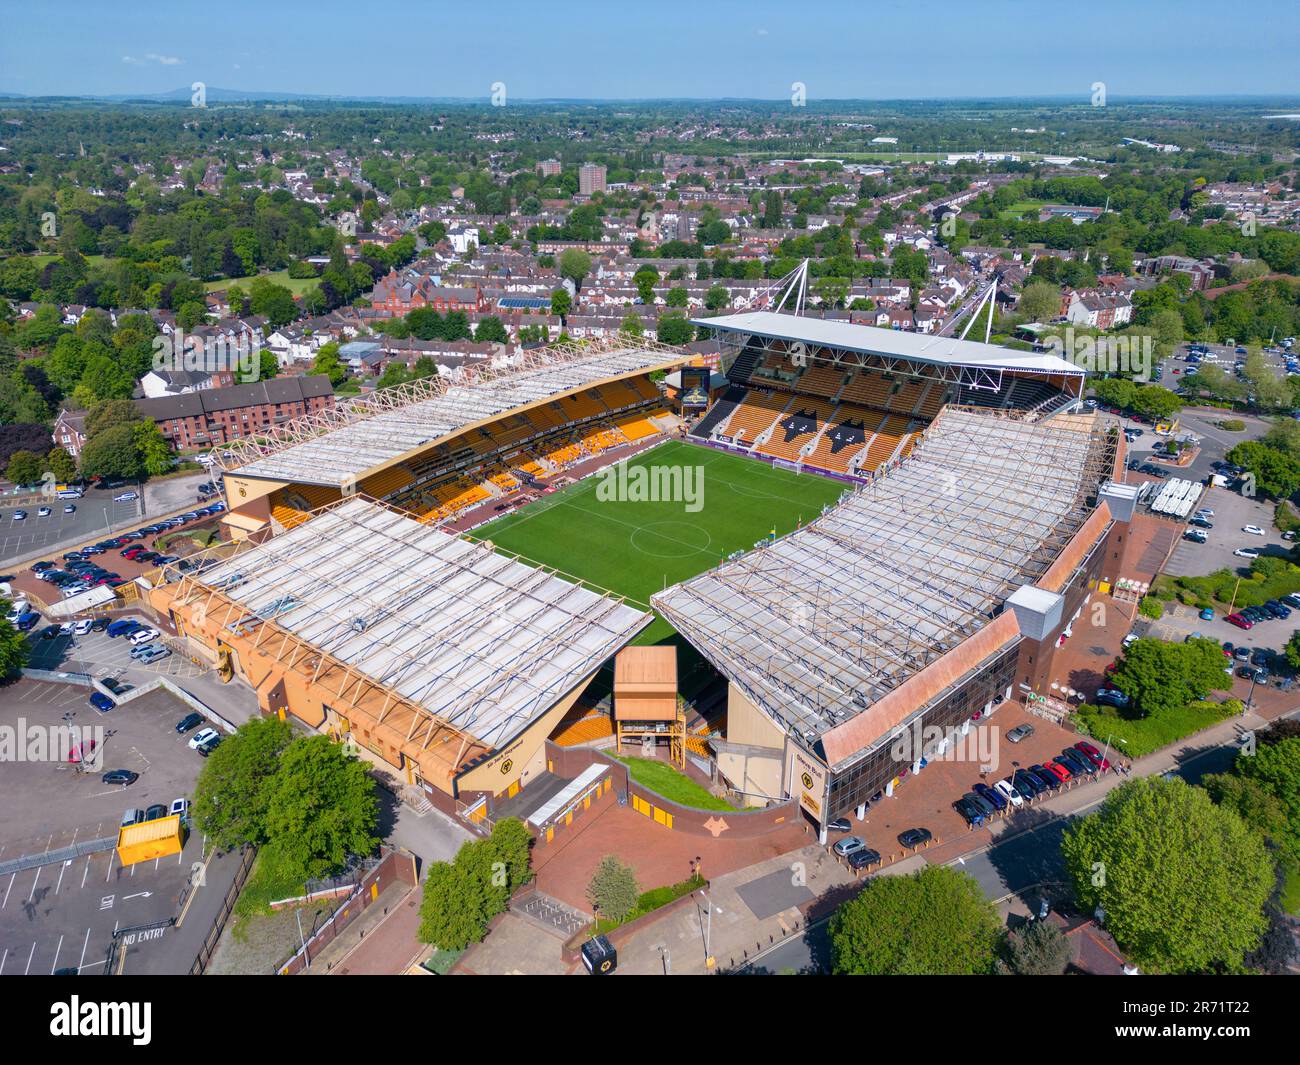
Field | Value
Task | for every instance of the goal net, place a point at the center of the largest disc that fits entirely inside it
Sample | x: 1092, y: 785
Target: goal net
x: 786, y: 464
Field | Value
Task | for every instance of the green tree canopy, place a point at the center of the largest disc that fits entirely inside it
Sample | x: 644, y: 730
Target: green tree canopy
x: 1182, y: 882
x: 933, y: 922
x: 1160, y: 677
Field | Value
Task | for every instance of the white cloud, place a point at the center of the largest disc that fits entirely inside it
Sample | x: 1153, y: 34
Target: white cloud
x: 154, y: 57
x: 762, y: 33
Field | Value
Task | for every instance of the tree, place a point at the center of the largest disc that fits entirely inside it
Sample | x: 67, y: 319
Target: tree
x: 13, y: 645
x: 113, y: 454
x: 25, y: 468
x: 677, y: 297
x: 110, y: 413
x: 674, y: 329
x: 230, y: 797
x: 1040, y: 301
x: 155, y: 453
x: 645, y: 280
x: 1275, y: 767
x: 715, y: 299
x: 1182, y: 882
x: 1040, y: 950
x: 512, y: 843
x: 613, y: 889
x: 491, y: 329
x: 1161, y: 677
x: 632, y: 325
x: 61, y: 464
x: 1276, y: 473
x: 934, y: 922
x: 321, y: 809
x: 449, y: 916
x: 327, y: 362
x: 561, y: 302
x: 575, y: 264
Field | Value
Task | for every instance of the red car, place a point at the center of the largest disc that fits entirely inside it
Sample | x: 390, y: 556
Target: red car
x: 1111, y: 668
x: 1093, y: 755
x: 1239, y: 621
x: 1057, y: 770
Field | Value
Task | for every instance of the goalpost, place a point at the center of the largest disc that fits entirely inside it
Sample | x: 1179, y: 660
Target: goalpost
x: 786, y: 464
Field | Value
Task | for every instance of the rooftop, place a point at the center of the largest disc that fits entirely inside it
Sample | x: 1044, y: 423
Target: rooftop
x: 889, y: 343
x: 832, y: 618
x: 482, y: 641
x: 337, y: 447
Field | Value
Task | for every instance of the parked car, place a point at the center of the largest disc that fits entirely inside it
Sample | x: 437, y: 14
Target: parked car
x: 843, y: 847
x: 1111, y: 697
x: 155, y: 811
x: 863, y: 857
x: 205, y: 736
x: 1050, y: 780
x: 125, y: 497
x: 179, y: 808
x: 989, y: 795
x: 149, y: 653
x: 1093, y: 755
x: 970, y: 813
x: 914, y: 837
x: 1019, y: 733
x: 840, y: 824
x: 1027, y: 784
x: 1254, y: 530
x: 117, y: 687
x: 120, y: 776
x: 1058, y: 770
x: 1239, y: 621
x: 131, y: 817
x: 1009, y: 792
x: 144, y: 635
x: 101, y: 702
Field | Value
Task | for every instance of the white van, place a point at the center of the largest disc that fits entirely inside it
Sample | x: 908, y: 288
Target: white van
x: 69, y: 493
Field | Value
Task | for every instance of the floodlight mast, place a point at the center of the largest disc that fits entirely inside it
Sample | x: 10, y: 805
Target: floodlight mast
x: 990, y: 296
x: 796, y: 283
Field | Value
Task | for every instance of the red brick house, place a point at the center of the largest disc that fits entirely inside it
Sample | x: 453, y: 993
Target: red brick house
x: 396, y: 296
x: 219, y: 415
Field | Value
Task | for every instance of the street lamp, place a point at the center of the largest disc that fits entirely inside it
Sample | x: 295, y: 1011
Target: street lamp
x: 708, y: 933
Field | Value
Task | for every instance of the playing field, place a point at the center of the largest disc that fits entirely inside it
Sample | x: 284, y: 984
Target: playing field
x: 615, y: 538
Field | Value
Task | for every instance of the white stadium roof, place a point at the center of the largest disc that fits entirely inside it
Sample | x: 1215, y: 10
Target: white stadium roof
x: 888, y: 343
x: 481, y: 640
x: 831, y: 618
x: 337, y: 447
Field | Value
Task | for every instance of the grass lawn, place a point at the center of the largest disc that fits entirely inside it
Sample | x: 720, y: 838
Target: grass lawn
x: 296, y: 285
x: 1136, y: 737
x: 637, y: 548
x: 1021, y: 208
x: 1291, y: 889
x: 672, y: 784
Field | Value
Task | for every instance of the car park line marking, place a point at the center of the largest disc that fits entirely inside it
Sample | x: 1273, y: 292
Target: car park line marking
x: 3, y: 958
x: 86, y: 873
x: 110, y: 867
x: 36, y: 881
x: 62, y: 870
x: 57, y: 948
x: 29, y: 959
x: 12, y: 878
x: 85, y: 943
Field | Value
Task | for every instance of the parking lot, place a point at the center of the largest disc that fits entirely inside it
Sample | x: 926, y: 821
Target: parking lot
x: 101, y: 655
x: 96, y: 516
x: 63, y: 914
x: 1232, y: 512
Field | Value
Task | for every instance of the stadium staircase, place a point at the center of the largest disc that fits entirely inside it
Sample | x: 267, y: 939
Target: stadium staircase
x: 719, y: 413
x: 740, y: 370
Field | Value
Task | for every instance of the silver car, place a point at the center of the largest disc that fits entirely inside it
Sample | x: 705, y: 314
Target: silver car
x: 848, y: 845
x: 1019, y: 733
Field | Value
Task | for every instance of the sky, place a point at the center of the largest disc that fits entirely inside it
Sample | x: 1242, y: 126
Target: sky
x: 653, y: 49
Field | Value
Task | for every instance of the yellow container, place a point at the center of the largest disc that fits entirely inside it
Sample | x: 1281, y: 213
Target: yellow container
x: 151, y: 839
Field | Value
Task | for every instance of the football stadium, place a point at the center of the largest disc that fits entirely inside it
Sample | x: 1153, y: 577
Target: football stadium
x: 859, y: 530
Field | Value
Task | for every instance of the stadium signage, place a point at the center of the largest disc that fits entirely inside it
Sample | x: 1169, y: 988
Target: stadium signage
x: 808, y: 779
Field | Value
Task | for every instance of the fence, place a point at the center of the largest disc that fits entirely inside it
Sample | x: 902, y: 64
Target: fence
x: 59, y: 855
x: 395, y: 867
x: 227, y: 905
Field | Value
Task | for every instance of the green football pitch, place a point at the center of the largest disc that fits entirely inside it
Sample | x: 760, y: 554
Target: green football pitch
x: 637, y: 546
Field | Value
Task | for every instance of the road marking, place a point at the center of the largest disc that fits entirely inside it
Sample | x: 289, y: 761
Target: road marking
x: 8, y: 889
x: 63, y: 869
x: 57, y: 948
x: 85, y: 873
x: 29, y: 959
x: 36, y: 881
x: 138, y: 895
x: 3, y: 958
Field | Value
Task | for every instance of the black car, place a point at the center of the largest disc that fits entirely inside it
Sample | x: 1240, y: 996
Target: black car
x: 1027, y: 784
x: 1261, y: 657
x: 190, y: 721
x: 1050, y: 779
x: 863, y: 857
x: 99, y: 625
x: 155, y: 811
x: 117, y: 687
x: 1277, y: 609
x: 914, y: 837
x: 981, y: 804
x: 970, y: 813
x: 120, y: 776
x: 210, y: 746
x: 1074, y: 762
x: 840, y: 824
